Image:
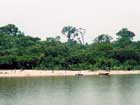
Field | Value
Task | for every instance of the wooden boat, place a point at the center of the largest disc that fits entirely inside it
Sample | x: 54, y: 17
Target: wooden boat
x: 104, y: 73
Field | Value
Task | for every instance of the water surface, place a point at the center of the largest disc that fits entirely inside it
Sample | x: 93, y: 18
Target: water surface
x: 72, y: 90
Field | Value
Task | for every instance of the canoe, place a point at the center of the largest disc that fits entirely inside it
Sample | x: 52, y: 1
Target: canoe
x: 106, y: 73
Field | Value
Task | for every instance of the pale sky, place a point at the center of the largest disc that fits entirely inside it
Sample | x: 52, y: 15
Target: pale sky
x: 46, y: 18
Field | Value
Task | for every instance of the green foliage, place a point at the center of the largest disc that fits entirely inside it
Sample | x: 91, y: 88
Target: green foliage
x: 74, y: 35
x: 125, y: 37
x: 19, y: 51
x: 125, y: 33
x: 103, y: 38
x: 11, y: 29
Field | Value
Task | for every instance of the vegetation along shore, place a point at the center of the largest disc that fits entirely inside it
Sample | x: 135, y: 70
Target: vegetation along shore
x: 21, y: 51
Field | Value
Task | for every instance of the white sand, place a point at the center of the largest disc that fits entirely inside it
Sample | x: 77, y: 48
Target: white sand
x: 39, y: 73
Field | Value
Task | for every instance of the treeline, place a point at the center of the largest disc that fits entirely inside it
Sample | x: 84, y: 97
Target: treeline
x: 19, y: 51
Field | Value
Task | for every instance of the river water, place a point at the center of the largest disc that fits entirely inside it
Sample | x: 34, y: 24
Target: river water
x: 72, y: 90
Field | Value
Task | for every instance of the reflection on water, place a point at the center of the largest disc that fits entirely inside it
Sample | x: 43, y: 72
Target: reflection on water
x: 74, y: 90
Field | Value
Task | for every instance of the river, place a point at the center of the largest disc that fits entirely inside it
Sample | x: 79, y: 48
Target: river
x: 72, y: 90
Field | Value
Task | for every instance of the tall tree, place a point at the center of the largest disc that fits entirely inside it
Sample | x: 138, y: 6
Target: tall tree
x: 124, y: 33
x: 103, y: 38
x: 74, y: 34
x: 125, y: 37
x: 11, y: 29
x: 69, y: 31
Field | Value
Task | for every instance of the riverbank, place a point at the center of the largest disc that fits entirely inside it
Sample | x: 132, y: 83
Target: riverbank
x: 40, y: 73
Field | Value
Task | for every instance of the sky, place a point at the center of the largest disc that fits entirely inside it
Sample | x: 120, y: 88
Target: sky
x: 46, y: 18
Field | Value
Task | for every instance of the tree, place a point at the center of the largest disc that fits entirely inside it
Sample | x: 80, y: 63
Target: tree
x: 80, y: 35
x: 69, y: 31
x: 103, y: 38
x: 19, y: 51
x: 11, y: 29
x: 126, y: 34
x: 125, y: 37
x: 74, y: 34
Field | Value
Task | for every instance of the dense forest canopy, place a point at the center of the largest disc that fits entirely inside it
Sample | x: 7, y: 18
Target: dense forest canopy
x: 19, y: 51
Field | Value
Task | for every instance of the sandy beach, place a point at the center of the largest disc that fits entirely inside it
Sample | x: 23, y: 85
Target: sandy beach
x: 40, y: 73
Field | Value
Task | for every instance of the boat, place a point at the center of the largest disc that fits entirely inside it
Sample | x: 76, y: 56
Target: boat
x: 104, y: 73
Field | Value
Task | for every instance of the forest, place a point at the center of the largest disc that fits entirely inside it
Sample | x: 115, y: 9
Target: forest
x: 21, y: 51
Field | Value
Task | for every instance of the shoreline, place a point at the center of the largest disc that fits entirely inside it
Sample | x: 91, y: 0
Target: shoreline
x: 43, y: 73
